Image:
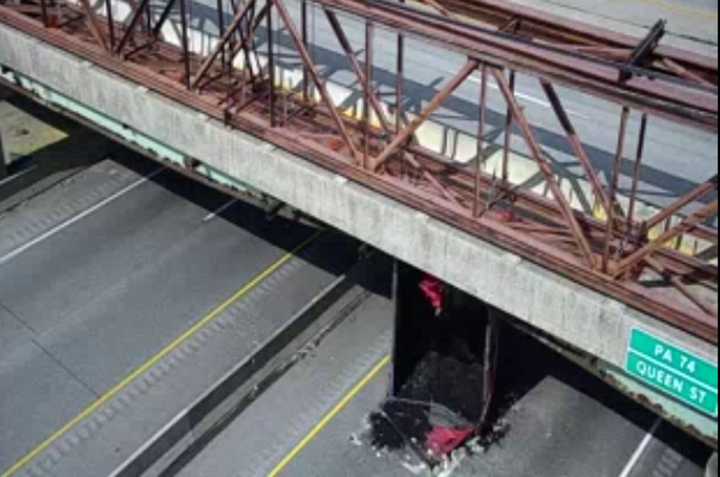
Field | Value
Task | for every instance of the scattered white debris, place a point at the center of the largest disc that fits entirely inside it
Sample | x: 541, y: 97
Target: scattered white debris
x: 417, y: 469
x: 451, y: 464
x: 367, y: 425
x: 476, y: 447
x: 355, y: 440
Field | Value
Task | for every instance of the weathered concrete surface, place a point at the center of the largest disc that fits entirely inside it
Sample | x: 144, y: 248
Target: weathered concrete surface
x: 587, y: 319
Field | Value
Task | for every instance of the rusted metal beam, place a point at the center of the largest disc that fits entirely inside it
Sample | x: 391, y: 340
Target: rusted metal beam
x: 576, y: 144
x: 220, y: 10
x: 440, y: 9
x: 646, y: 47
x: 305, y: 41
x: 110, y: 21
x: 137, y: 14
x: 545, y: 168
x: 164, y: 15
x: 505, y: 169
x: 436, y: 102
x: 649, y: 90
x: 692, y: 221
x: 637, y: 169
x: 312, y: 71
x: 481, y: 137
x: 363, y: 78
x: 549, y: 28
x: 219, y: 47
x: 247, y: 39
x: 400, y: 81
x: 357, y: 69
x: 614, y: 184
x: 698, y: 193
x: 368, y: 92
x: 94, y: 24
x: 44, y: 12
x: 683, y: 72
x: 271, y: 63
x: 154, y: 31
x: 185, y: 43
x: 678, y: 283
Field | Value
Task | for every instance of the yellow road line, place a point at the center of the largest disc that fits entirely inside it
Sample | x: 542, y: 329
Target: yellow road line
x: 349, y: 397
x: 19, y: 465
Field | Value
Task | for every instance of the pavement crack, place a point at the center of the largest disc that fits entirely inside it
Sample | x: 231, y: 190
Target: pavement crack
x: 17, y: 317
x: 57, y: 361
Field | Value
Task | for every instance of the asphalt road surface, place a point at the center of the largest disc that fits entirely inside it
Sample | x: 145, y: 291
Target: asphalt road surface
x: 563, y: 422
x: 103, y: 271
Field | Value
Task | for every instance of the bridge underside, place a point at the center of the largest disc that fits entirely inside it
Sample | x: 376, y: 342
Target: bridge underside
x: 586, y: 281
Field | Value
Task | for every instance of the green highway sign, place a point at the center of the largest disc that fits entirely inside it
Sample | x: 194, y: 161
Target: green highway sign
x: 674, y: 371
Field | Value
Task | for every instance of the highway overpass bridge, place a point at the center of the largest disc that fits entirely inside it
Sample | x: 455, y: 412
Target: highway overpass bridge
x: 564, y: 174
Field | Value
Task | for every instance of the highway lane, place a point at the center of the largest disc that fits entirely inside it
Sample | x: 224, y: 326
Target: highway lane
x: 690, y: 19
x: 271, y: 427
x: 562, y: 423
x: 98, y: 294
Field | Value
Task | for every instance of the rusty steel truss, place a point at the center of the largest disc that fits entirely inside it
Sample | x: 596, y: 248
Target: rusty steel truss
x: 617, y: 256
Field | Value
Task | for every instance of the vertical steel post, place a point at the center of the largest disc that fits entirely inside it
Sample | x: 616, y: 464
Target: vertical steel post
x: 369, y: 34
x: 44, y: 10
x: 305, y: 40
x: 221, y: 33
x: 481, y: 138
x: 508, y: 134
x: 636, y: 174
x: 614, y: 183
x: 111, y: 22
x: 490, y: 362
x: 271, y: 63
x: 400, y: 80
x: 185, y: 45
x: 148, y: 18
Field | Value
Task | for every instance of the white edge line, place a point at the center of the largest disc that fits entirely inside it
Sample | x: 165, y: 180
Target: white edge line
x: 219, y: 211
x: 630, y: 466
x: 58, y: 228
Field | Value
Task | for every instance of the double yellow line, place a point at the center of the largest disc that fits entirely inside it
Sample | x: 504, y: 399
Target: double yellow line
x: 144, y: 368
